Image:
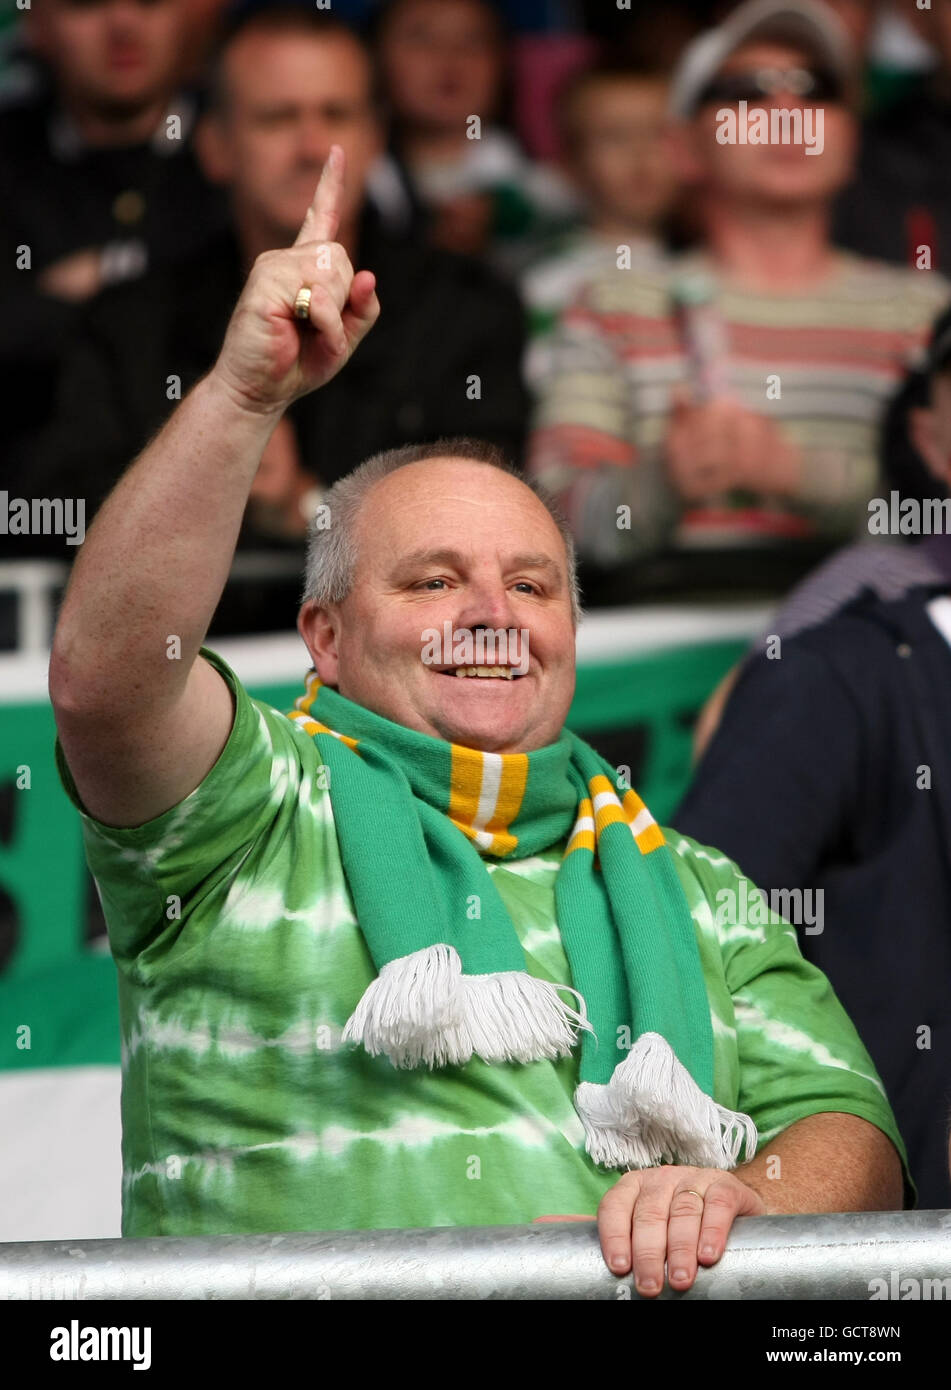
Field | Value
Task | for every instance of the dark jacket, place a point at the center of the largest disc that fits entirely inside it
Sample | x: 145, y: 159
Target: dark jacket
x: 58, y: 197
x: 815, y: 779
x: 443, y: 320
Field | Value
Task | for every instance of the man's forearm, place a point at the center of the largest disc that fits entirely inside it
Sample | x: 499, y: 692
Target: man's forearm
x: 828, y: 1162
x: 157, y: 556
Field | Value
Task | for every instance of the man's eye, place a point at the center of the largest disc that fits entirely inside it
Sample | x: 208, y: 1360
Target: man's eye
x: 427, y: 583
x: 527, y: 584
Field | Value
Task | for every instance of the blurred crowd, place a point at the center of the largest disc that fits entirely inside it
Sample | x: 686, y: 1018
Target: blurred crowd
x: 712, y: 353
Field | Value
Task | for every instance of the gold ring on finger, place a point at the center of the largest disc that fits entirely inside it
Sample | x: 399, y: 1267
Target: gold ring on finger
x: 302, y: 303
x: 695, y: 1192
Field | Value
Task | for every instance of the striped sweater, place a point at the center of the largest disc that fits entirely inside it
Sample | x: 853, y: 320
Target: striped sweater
x: 821, y: 366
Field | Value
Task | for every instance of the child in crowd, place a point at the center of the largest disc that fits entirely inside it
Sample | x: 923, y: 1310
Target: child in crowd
x: 612, y: 122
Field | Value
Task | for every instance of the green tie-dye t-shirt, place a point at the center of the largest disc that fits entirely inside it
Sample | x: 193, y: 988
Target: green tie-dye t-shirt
x: 240, y: 960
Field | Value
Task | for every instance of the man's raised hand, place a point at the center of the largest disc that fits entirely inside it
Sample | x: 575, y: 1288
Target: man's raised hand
x: 269, y: 358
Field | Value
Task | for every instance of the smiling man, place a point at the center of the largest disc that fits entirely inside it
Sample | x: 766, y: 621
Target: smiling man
x: 382, y: 642
x: 413, y: 954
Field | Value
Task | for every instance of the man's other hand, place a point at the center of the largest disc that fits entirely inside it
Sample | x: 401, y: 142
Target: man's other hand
x: 674, y: 1215
x: 269, y: 357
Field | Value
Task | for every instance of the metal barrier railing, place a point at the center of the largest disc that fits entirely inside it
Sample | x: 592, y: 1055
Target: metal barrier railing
x: 856, y: 1255
x: 35, y: 585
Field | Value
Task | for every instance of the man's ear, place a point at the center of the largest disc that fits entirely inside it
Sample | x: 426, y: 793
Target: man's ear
x: 317, y: 625
x: 213, y: 149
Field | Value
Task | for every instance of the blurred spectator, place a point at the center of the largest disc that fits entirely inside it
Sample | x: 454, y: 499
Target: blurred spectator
x: 899, y: 205
x: 871, y: 25
x: 611, y: 121
x: 649, y: 37
x: 97, y: 180
x: 830, y: 775
x: 288, y: 84
x: 540, y: 67
x: 889, y: 41
x: 900, y: 53
x: 730, y: 403
x: 923, y: 410
x: 443, y: 66
x: 916, y: 463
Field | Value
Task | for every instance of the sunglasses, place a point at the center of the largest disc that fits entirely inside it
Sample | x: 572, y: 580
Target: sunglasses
x: 812, y: 84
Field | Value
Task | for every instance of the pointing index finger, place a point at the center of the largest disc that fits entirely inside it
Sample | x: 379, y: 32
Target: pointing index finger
x: 322, y: 218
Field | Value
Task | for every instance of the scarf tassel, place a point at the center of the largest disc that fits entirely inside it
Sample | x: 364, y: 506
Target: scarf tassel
x: 422, y: 1010
x: 652, y: 1111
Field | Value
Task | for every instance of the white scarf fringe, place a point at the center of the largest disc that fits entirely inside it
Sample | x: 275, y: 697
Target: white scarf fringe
x: 421, y: 1009
x: 652, y: 1111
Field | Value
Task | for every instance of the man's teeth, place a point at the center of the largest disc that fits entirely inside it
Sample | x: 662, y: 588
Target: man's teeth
x: 498, y: 672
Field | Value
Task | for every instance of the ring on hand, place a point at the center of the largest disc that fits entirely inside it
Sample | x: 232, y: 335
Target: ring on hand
x: 302, y: 303
x: 695, y: 1192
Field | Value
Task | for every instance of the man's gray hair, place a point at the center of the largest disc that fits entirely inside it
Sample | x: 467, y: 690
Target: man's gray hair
x: 332, y: 550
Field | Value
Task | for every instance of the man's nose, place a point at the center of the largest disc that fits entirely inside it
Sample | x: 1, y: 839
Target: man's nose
x: 786, y: 97
x: 314, y: 141
x: 487, y: 603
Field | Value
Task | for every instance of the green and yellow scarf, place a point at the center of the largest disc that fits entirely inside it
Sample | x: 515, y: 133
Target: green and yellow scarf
x: 415, y: 818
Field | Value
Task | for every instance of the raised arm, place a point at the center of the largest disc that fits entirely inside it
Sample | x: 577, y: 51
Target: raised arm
x: 141, y: 717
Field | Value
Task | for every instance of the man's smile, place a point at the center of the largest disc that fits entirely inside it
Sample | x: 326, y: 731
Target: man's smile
x: 505, y: 673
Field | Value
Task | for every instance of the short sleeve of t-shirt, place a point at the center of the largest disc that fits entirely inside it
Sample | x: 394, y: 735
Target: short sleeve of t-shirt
x: 798, y: 1051
x: 152, y: 877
